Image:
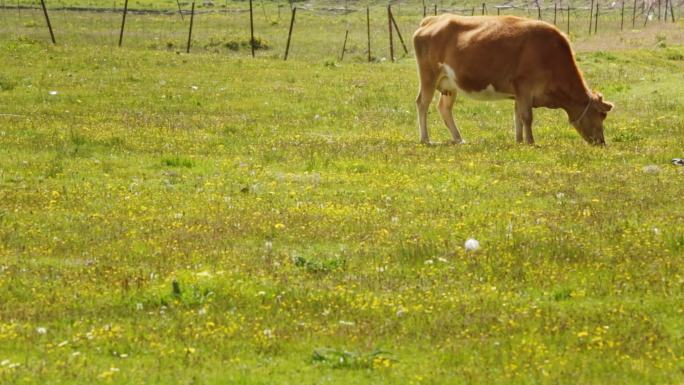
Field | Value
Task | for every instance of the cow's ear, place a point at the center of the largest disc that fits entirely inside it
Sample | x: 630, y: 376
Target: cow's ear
x: 600, y: 104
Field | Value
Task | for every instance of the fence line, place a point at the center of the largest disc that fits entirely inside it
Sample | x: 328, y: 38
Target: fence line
x: 613, y: 14
x: 321, y: 10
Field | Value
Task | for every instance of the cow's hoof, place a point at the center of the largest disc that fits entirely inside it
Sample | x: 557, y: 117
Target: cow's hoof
x: 457, y: 142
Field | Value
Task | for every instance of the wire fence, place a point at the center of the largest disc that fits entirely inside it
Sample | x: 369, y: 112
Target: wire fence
x: 308, y: 31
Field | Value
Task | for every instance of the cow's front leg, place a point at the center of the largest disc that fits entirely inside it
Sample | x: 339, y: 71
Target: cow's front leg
x: 446, y: 104
x: 423, y: 104
x: 523, y: 110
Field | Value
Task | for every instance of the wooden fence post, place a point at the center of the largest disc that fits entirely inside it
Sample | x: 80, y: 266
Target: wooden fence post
x: 483, y: 8
x: 47, y: 19
x: 344, y: 45
x: 622, y: 16
x: 538, y: 11
x: 251, y: 27
x: 648, y: 12
x: 289, y: 34
x: 389, y: 24
x: 192, y: 19
x: 396, y: 28
x: 179, y: 9
x: 596, y: 18
x: 435, y: 9
x: 634, y: 14
x: 568, y: 32
x: 555, y: 11
x: 123, y: 23
x: 591, y: 15
x: 368, y: 29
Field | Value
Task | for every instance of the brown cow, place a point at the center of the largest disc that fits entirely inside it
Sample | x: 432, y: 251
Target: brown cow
x: 491, y: 57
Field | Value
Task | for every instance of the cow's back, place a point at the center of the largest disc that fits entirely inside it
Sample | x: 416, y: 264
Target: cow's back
x: 490, y: 50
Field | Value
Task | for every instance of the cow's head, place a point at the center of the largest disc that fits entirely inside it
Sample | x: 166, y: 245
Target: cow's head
x: 590, y: 122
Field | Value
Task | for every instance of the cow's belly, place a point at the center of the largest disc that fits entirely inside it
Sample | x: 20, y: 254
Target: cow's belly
x: 448, y: 83
x: 488, y: 93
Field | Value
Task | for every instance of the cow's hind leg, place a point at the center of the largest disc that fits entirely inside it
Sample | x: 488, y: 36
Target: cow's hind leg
x: 446, y: 104
x: 518, y: 125
x: 427, y: 91
x: 523, y: 111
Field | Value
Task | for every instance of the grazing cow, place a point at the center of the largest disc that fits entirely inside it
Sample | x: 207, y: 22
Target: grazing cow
x: 491, y: 57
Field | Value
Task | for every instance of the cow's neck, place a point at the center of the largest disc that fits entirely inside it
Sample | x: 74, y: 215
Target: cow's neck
x: 575, y: 101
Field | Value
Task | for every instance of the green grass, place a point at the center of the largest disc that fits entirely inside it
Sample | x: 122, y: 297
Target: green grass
x: 313, y: 240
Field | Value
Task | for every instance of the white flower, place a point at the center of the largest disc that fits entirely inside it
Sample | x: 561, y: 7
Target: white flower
x: 651, y: 169
x: 138, y: 306
x: 53, y: 93
x: 472, y: 244
x: 41, y: 330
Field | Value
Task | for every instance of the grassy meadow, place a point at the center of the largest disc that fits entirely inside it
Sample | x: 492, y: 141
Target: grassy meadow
x: 209, y: 218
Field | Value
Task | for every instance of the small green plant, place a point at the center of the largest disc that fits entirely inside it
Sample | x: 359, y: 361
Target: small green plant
x: 177, y: 161
x: 319, y: 266
x: 236, y: 44
x: 343, y: 359
x: 562, y: 294
x: 626, y: 136
x: 674, y: 55
x: 6, y: 84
